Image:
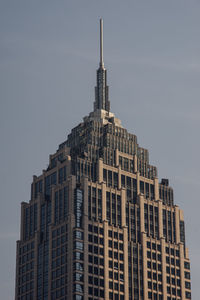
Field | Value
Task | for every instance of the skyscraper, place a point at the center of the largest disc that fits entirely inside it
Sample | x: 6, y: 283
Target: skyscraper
x: 99, y: 224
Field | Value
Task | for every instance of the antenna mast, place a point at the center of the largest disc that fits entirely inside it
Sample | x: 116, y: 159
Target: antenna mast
x: 101, y: 44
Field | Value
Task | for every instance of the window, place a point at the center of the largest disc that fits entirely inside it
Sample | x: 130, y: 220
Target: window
x: 90, y: 227
x: 187, y: 265
x: 95, y: 260
x: 95, y: 280
x: 154, y: 276
x: 160, y: 287
x: 116, y: 286
x: 101, y: 272
x: 188, y: 295
x: 78, y: 266
x: 187, y: 285
x: 187, y: 275
x: 121, y: 246
x: 149, y: 245
x: 78, y: 234
x: 115, y: 245
x: 153, y: 246
x: 77, y: 255
x: 78, y: 297
x: 78, y: 288
x: 101, y: 251
x: 178, y: 282
x: 90, y: 279
x: 90, y: 290
x: 79, y: 245
x: 110, y: 233
x: 153, y: 255
x: 172, y: 251
x: 168, y: 290
x: 116, y: 276
x: 78, y: 276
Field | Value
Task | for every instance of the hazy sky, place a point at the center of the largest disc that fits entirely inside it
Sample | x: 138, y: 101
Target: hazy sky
x: 49, y: 52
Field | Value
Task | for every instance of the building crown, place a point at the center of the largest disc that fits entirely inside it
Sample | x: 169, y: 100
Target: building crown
x: 101, y: 89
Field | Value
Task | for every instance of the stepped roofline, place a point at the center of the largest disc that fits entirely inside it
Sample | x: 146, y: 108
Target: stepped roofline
x: 103, y: 116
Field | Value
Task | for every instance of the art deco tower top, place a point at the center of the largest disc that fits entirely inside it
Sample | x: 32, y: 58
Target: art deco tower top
x: 99, y: 224
x: 101, y: 89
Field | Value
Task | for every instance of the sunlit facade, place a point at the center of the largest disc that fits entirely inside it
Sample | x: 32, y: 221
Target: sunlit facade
x: 99, y: 224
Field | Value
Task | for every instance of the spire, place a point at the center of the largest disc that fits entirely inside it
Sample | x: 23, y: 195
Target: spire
x: 101, y: 89
x: 101, y: 64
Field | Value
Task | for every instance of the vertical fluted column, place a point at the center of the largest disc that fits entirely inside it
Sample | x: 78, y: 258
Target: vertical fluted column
x: 123, y: 206
x: 84, y: 184
x: 126, y: 289
x: 100, y: 170
x: 106, y: 278
x: 119, y: 178
x: 117, y: 157
x: 141, y: 203
x: 135, y: 164
x: 144, y: 262
x: 182, y: 270
x: 138, y: 183
x: 156, y: 188
x: 177, y: 224
x: 160, y: 218
x: 163, y: 268
x: 71, y: 224
x: 104, y: 202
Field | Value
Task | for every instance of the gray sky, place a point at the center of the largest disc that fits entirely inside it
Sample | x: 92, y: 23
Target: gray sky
x: 49, y: 53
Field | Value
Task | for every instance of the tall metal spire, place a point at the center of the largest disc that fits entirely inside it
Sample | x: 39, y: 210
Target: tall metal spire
x: 101, y: 89
x: 101, y: 64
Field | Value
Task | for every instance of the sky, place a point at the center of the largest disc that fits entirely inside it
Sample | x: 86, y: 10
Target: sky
x: 49, y: 53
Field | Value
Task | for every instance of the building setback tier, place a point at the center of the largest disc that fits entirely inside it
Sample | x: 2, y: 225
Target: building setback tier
x: 99, y: 224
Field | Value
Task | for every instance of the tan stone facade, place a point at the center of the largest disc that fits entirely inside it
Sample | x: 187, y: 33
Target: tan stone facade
x: 99, y: 224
